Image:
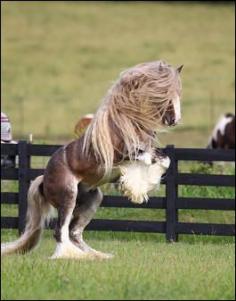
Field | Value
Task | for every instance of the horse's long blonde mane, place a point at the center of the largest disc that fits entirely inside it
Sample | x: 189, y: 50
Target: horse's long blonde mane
x: 135, y: 104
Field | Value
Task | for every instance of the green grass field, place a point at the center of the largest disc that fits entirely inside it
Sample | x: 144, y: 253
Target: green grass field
x: 59, y: 59
x: 144, y: 266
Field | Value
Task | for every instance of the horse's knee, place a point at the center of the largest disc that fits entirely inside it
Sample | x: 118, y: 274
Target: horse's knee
x: 66, y: 204
x: 97, y: 195
x: 89, y: 197
x: 84, y: 211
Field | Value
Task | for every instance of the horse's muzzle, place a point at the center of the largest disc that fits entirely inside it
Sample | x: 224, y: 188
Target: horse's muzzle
x: 169, y: 120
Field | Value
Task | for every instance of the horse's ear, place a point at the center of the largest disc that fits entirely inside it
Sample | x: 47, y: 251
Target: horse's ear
x: 178, y: 69
x: 162, y: 65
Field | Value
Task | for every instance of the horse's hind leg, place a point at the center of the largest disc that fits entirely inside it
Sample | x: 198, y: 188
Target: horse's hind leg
x: 86, y: 207
x: 67, y: 200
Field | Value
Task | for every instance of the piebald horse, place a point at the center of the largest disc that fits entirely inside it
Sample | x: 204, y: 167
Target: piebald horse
x: 223, y: 135
x: 144, y: 99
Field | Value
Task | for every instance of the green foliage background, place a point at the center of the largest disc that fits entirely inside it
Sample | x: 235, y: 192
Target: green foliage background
x: 59, y: 59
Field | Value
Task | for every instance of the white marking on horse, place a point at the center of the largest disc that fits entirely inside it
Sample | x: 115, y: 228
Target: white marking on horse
x: 221, y: 125
x: 145, y: 157
x: 139, y: 178
x: 176, y: 105
x: 89, y: 116
x: 69, y: 250
x: 165, y: 162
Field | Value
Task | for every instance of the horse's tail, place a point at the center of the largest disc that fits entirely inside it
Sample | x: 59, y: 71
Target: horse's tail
x: 37, y: 212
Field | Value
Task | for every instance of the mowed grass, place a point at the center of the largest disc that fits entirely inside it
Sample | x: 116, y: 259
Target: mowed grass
x: 59, y: 60
x: 144, y: 267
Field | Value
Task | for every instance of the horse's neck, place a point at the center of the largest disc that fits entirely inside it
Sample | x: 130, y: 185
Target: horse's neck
x: 121, y: 151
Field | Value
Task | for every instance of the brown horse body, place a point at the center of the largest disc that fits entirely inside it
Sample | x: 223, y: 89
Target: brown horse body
x: 122, y: 127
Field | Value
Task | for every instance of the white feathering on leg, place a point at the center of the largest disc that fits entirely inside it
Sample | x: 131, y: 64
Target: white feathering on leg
x: 139, y: 178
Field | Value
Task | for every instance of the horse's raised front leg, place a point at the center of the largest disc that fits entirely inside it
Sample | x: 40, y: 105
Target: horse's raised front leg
x: 86, y: 207
x: 66, y: 197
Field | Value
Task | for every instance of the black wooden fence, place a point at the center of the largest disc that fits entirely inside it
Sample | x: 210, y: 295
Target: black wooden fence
x: 171, y: 202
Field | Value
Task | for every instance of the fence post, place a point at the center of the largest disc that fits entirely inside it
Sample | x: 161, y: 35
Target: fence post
x: 24, y: 165
x: 171, y: 196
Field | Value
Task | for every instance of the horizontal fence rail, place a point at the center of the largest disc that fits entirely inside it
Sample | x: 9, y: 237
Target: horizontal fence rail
x: 197, y: 154
x: 205, y: 180
x: 171, y: 202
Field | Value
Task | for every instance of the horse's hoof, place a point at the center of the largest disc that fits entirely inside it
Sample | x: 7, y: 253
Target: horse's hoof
x: 101, y: 255
x: 72, y: 256
x: 69, y: 251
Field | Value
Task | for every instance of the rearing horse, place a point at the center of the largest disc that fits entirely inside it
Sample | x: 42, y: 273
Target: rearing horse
x: 145, y: 98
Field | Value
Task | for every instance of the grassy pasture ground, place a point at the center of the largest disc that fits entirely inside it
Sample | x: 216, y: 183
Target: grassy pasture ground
x: 58, y: 61
x: 60, y: 58
x: 145, y: 267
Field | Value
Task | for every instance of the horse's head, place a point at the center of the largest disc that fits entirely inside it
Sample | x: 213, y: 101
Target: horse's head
x: 171, y: 114
x: 153, y: 89
x: 145, y: 98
